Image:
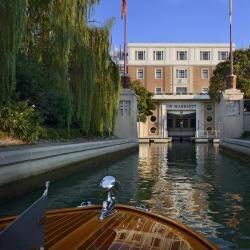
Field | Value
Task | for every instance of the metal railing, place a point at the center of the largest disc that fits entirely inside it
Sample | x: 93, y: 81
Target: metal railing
x: 209, y: 134
x: 165, y: 93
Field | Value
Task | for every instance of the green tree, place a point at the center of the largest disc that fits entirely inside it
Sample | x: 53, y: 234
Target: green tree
x: 12, y: 24
x: 64, y: 67
x: 144, y: 99
x: 34, y: 83
x: 241, y: 70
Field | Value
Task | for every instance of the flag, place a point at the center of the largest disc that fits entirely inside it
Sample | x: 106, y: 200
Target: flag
x: 124, y: 8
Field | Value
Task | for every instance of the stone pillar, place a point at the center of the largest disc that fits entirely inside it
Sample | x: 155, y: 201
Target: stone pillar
x: 126, y: 120
x: 164, y: 121
x: 231, y: 113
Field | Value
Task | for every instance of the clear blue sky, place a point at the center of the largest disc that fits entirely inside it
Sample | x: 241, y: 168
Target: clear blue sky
x: 180, y: 21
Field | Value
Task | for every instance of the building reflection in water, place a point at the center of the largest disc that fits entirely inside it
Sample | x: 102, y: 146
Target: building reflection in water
x: 175, y: 192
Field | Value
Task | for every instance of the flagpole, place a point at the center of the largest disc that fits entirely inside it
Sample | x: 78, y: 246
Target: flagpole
x: 231, y: 40
x: 125, y: 42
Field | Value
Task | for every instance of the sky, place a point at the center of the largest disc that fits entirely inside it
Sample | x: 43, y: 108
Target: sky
x: 176, y: 21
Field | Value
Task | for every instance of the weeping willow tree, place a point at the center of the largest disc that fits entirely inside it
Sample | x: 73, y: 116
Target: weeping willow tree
x: 94, y: 79
x: 107, y: 84
x: 78, y: 61
x: 12, y: 23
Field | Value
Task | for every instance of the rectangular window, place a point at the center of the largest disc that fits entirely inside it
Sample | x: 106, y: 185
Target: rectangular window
x: 158, y: 91
x: 181, y: 91
x: 181, y: 55
x: 205, y: 55
x: 140, y: 74
x: 204, y: 74
x: 158, y: 55
x: 181, y: 73
x: 158, y: 73
x: 140, y: 55
x: 223, y: 55
x: 204, y: 91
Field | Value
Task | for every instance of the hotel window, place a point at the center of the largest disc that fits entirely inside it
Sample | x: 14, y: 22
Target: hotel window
x: 158, y: 73
x: 223, y: 55
x: 204, y: 74
x: 181, y: 91
x: 181, y: 73
x: 204, y: 91
x: 140, y: 55
x: 158, y: 55
x: 140, y: 74
x: 205, y: 55
x: 181, y: 55
x: 158, y: 91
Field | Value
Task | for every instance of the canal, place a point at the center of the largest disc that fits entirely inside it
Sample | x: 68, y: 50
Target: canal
x: 193, y: 183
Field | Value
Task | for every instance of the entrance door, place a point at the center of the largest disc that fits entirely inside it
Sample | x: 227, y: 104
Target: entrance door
x: 181, y: 123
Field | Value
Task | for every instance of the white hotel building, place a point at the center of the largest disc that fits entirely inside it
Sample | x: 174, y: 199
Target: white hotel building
x: 178, y: 74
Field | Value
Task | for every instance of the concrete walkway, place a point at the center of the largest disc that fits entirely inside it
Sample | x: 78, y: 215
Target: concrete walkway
x: 238, y: 145
x: 22, y: 164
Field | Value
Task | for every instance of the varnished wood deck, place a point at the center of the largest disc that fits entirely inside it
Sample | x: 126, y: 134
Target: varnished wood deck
x: 129, y: 228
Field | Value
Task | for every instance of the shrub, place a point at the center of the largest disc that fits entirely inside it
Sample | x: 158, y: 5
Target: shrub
x: 246, y: 135
x: 21, y: 121
x: 62, y: 133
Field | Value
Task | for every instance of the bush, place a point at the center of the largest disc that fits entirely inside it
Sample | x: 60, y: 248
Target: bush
x: 2, y: 135
x: 21, y: 121
x: 246, y: 135
x: 62, y: 133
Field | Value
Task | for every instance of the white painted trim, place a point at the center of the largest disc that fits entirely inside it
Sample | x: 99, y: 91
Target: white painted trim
x: 192, y: 45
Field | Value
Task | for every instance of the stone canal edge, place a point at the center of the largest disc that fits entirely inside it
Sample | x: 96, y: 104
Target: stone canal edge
x: 24, y: 169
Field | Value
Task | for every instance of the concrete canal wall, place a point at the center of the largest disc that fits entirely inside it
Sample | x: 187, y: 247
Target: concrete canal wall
x: 236, y: 145
x: 24, y: 169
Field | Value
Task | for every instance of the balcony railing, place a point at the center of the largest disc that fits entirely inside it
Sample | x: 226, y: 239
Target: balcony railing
x: 209, y: 134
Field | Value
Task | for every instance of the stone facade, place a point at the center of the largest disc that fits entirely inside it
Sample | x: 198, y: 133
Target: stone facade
x: 178, y: 75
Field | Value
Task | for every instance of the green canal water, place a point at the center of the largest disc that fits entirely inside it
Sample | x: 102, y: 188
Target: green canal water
x: 193, y: 183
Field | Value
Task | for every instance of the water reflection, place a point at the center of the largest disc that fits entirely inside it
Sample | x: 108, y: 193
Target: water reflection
x: 201, y: 187
x: 193, y: 183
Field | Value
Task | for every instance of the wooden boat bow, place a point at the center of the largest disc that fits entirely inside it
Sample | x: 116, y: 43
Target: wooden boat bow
x: 128, y: 228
